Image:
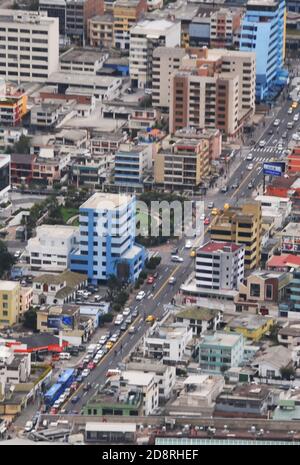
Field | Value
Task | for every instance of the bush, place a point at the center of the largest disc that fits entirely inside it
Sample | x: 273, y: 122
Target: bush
x: 137, y: 285
x: 122, y: 298
x: 153, y: 262
x: 143, y: 275
x: 116, y: 307
x: 107, y: 318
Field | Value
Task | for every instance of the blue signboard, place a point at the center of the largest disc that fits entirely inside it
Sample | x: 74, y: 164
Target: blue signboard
x: 60, y: 322
x: 274, y: 168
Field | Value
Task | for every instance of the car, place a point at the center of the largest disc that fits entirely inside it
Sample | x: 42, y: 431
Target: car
x: 97, y: 298
x: 85, y: 373
x: 103, y: 340
x: 215, y: 211
x: 140, y: 295
x: 202, y: 217
x: 296, y: 117
x: 91, y: 365
x: 79, y: 379
x: 150, y: 319
x: 294, y: 105
x: 87, y: 387
x: 68, y: 391
x: 284, y: 135
x: 63, y: 398
x: 75, y: 399
x: 135, y: 313
x: 172, y: 280
x: 262, y: 143
x: 249, y: 156
x: 206, y: 221
x: 270, y: 132
x: 123, y: 326
x: 193, y: 253
x: 57, y: 404
x: 126, y: 311
x: 128, y: 320
x: 114, y: 338
x: 81, y: 348
x: 74, y: 386
x: 17, y: 253
x: 188, y: 244
x: 148, y: 91
x: 155, y: 275
x: 250, y: 185
x: 132, y: 330
x: 224, y: 189
x: 234, y: 186
x: 290, y: 111
x: 296, y: 137
x: 276, y: 122
x: 150, y: 279
x: 109, y: 345
x: 28, y: 426
x: 210, y: 205
x: 279, y: 146
x: 81, y: 366
x: 250, y: 166
x: 176, y: 258
x: 174, y: 251
x: 100, y: 353
x: 290, y: 124
x: 53, y: 411
x: 87, y: 359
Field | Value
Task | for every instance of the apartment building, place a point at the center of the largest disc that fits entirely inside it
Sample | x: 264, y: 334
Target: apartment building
x: 126, y: 14
x: 9, y: 303
x: 213, y: 89
x: 103, y: 143
x: 220, y: 351
x: 132, y: 162
x: 50, y: 249
x: 290, y: 307
x: 13, y: 105
x: 263, y: 31
x: 290, y: 238
x: 106, y: 242
x: 166, y: 60
x: 91, y: 171
x: 144, y: 38
x: 25, y: 45
x: 219, y: 265
x: 183, y: 165
x: 241, y: 225
x: 293, y: 160
x: 101, y: 31
x: 225, y: 25
x: 5, y: 176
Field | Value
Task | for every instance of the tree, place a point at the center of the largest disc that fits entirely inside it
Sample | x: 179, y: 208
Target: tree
x: 113, y: 287
x: 274, y: 332
x: 22, y: 146
x: 6, y: 259
x: 30, y: 319
x: 107, y: 318
x: 287, y: 372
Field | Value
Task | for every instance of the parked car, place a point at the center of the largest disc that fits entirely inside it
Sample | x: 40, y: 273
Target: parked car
x: 140, y: 295
x: 85, y: 373
x: 135, y: 313
x: 75, y: 399
x: 249, y: 156
x: 126, y: 311
x: 206, y: 221
x: 210, y: 205
x: 250, y: 167
x: 87, y: 387
x: 91, y: 365
x: 150, y: 279
x: 123, y: 326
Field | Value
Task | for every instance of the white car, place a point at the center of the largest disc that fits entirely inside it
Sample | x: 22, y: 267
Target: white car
x: 276, y: 122
x: 290, y: 111
x: 57, y: 404
x: 172, y: 280
x: 250, y: 166
x: 202, y: 217
x: 28, y: 426
x: 17, y: 254
x: 188, y: 244
x: 296, y: 136
x: 176, y: 258
x: 262, y: 143
x: 140, y: 295
x: 126, y: 311
x: 296, y: 117
x: 85, y: 373
x: 249, y: 156
x: 102, y: 340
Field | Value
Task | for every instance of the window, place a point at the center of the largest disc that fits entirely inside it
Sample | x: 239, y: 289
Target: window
x: 269, y: 291
x: 254, y: 290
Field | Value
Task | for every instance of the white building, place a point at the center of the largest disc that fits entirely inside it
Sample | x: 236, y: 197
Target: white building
x: 29, y: 45
x: 144, y: 38
x: 4, y: 176
x: 14, y: 368
x: 132, y: 162
x: 9, y: 136
x: 166, y: 60
x: 146, y: 383
x: 270, y: 362
x: 167, y: 342
x: 278, y: 208
x: 51, y: 248
x: 220, y: 265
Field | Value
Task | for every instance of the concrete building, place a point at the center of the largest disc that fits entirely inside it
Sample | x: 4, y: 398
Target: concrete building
x: 5, y: 176
x: 271, y: 360
x: 241, y: 225
x: 245, y: 400
x: 183, y: 164
x: 198, y: 396
x: 290, y: 238
x: 252, y: 327
x: 101, y: 31
x: 213, y: 88
x: 50, y: 289
x: 294, y: 161
x: 289, y: 334
x: 263, y: 31
x: 82, y: 61
x: 132, y: 163
x: 31, y: 59
x: 225, y: 24
x: 219, y: 265
x: 26, y: 299
x: 107, y: 235
x: 220, y: 351
x: 126, y: 14
x: 166, y: 60
x: 199, y: 319
x: 51, y: 248
x: 290, y: 306
x: 13, y: 105
x: 167, y: 342
x: 144, y: 38
x: 9, y: 303
x: 283, y: 262
x: 277, y: 208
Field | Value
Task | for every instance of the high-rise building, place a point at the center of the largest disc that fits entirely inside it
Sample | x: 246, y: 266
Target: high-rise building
x: 29, y: 46
x: 5, y: 167
x: 131, y: 165
x: 55, y: 9
x: 145, y: 37
x: 126, y: 14
x: 241, y: 225
x: 225, y: 25
x: 263, y: 32
x: 9, y: 303
x: 107, y: 239
x: 219, y: 265
x: 213, y: 89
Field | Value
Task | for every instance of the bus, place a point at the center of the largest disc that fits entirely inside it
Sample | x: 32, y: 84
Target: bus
x: 67, y: 377
x: 53, y: 394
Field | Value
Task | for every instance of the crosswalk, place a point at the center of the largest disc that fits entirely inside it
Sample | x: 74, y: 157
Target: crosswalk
x: 268, y: 149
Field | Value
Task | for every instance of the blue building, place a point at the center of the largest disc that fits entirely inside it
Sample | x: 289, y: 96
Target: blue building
x: 107, y: 235
x: 263, y: 31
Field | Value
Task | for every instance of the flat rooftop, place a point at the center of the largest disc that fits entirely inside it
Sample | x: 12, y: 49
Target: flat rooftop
x: 219, y: 247
x: 138, y: 378
x: 101, y: 201
x: 292, y: 229
x: 82, y: 56
x: 152, y: 27
x: 220, y: 339
x: 83, y: 80
x: 56, y: 231
x: 8, y: 285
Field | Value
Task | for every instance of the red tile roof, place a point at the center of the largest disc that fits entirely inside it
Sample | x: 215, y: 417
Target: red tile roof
x: 283, y: 260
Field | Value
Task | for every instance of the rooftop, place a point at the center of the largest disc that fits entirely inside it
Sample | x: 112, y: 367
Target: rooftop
x: 220, y: 339
x: 137, y: 378
x: 219, y: 247
x: 81, y: 55
x: 247, y: 391
x: 283, y: 260
x: 83, y: 80
x: 292, y: 229
x: 291, y: 329
x: 71, y: 279
x: 198, y: 313
x: 101, y: 201
x: 152, y: 27
x: 56, y: 231
x: 249, y: 322
x: 278, y: 356
x: 9, y: 285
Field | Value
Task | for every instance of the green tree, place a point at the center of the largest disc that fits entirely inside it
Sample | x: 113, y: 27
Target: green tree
x: 107, y: 318
x: 22, y: 146
x: 6, y: 259
x: 30, y: 319
x: 113, y: 287
x: 287, y: 372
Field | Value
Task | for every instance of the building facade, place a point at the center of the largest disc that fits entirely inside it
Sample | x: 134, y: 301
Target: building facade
x: 9, y: 303
x: 221, y: 351
x: 126, y: 14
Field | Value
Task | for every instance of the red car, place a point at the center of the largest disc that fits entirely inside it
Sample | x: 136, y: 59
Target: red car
x: 74, y: 386
x: 53, y: 411
x: 91, y: 365
x: 206, y: 221
x: 150, y: 279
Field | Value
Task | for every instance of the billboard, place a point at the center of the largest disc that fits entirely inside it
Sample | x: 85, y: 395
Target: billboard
x: 274, y: 168
x: 60, y: 322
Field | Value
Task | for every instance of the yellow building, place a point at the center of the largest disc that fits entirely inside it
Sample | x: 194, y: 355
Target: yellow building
x: 126, y: 14
x: 9, y: 303
x: 242, y: 225
x: 252, y: 327
x: 13, y: 108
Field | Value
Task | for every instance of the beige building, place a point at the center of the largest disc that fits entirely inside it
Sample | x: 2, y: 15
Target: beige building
x: 26, y: 297
x: 183, y: 165
x: 9, y: 303
x: 29, y: 44
x: 213, y: 89
x: 101, y: 31
x: 166, y: 60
